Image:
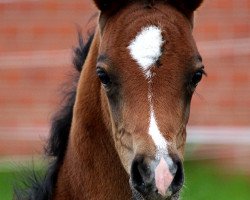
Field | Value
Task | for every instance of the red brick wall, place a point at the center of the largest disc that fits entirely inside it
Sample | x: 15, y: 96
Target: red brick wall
x: 222, y: 32
x: 36, y: 38
x: 28, y: 25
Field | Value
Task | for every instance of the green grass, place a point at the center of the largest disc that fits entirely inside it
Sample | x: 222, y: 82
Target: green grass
x: 204, y: 181
x: 6, y: 179
x: 13, y: 173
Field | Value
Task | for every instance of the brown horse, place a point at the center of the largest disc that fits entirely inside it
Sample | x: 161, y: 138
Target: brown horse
x: 122, y: 132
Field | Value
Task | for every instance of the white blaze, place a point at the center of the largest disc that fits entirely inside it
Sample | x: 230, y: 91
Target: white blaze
x: 155, y: 133
x: 145, y: 49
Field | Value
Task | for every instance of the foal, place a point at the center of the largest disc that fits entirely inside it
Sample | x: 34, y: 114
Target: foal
x: 123, y: 136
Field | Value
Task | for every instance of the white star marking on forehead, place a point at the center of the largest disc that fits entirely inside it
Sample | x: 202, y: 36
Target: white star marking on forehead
x: 145, y: 49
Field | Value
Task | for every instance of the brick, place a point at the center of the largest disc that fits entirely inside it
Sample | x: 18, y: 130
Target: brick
x: 224, y: 5
x: 2, y: 7
x: 19, y: 147
x: 241, y: 78
x: 241, y: 29
x: 210, y: 30
x: 52, y: 6
x: 10, y: 77
x: 227, y: 102
x: 10, y: 31
x: 29, y: 95
x: 40, y: 31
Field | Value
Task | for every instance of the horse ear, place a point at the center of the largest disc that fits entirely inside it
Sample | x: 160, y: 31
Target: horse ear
x: 190, y: 5
x: 106, y: 5
x: 186, y: 6
x: 107, y: 8
x: 101, y: 4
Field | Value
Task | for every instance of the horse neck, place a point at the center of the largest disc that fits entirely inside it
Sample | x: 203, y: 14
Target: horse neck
x: 91, y: 168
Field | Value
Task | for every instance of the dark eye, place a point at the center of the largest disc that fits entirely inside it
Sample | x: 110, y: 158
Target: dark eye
x: 103, y: 76
x: 197, y: 77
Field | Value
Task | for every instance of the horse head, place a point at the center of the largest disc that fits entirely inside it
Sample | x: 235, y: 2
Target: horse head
x: 149, y: 66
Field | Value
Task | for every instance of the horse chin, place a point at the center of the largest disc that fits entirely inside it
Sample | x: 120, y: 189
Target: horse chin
x: 136, y: 195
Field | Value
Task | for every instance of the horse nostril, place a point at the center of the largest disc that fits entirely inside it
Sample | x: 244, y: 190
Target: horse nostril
x: 135, y: 174
x: 178, y: 178
x: 141, y: 175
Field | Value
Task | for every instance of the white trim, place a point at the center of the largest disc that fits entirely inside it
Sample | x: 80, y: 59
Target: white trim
x: 198, y: 137
x: 24, y: 133
x: 220, y: 48
x: 218, y: 135
x: 195, y: 134
x: 17, y: 1
x: 36, y: 59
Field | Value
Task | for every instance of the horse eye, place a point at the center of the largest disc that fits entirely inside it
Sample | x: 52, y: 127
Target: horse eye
x: 103, y: 76
x: 197, y: 77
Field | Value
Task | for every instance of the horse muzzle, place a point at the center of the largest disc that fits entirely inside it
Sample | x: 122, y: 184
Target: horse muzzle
x: 156, y: 179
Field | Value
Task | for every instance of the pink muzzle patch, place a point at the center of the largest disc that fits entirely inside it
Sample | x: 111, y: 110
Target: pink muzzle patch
x: 163, y: 177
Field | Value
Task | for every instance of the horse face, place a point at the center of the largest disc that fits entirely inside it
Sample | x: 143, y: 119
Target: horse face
x: 148, y: 66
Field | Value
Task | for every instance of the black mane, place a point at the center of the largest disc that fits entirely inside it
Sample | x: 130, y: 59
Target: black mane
x: 41, y: 188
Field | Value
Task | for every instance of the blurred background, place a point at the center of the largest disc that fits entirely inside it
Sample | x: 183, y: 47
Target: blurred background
x: 36, y: 42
